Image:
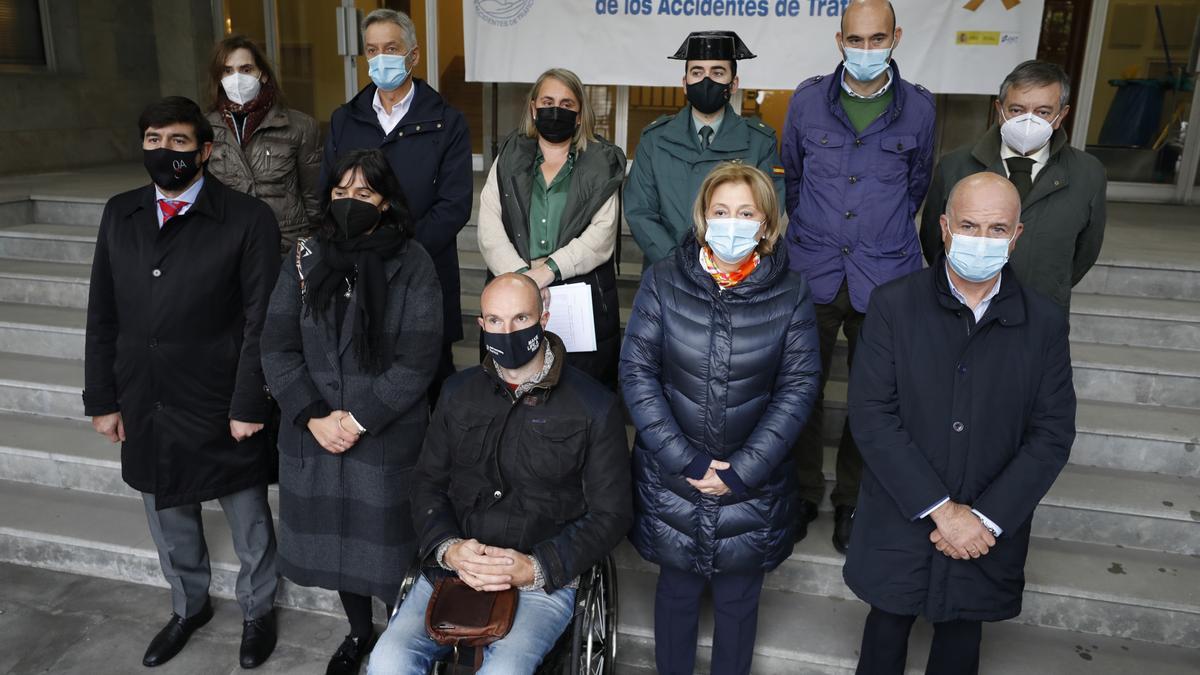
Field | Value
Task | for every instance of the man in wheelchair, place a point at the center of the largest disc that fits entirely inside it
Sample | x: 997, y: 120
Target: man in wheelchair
x: 523, y: 482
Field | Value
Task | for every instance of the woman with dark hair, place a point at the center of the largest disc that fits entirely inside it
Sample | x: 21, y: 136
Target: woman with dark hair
x: 262, y: 147
x: 350, y: 345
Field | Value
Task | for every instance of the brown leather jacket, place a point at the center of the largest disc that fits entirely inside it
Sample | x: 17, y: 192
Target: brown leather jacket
x: 280, y: 165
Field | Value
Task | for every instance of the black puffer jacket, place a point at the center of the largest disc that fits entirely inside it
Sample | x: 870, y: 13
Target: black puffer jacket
x: 728, y: 374
x: 545, y: 473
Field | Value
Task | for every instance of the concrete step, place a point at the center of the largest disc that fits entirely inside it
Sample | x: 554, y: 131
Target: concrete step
x: 44, y: 283
x: 1090, y: 588
x: 1145, y: 375
x: 1131, y: 437
x: 1119, y: 508
x: 106, y: 536
x: 56, y: 243
x: 57, y: 210
x: 804, y: 634
x: 1145, y: 276
x: 42, y: 330
x: 1141, y: 322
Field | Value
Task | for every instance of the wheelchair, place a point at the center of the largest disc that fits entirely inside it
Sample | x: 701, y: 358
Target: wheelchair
x: 588, y: 646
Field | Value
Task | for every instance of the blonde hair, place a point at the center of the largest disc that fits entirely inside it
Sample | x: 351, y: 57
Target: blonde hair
x: 587, y: 121
x: 764, y: 198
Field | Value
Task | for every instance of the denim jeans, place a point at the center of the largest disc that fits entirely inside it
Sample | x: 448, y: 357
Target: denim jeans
x: 406, y: 649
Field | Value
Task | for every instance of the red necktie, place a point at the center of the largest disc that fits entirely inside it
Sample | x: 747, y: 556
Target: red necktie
x: 170, y: 208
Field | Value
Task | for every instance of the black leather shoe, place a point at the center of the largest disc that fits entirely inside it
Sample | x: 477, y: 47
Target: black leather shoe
x: 806, y: 514
x: 174, y: 636
x: 258, y: 640
x: 843, y: 525
x: 349, y: 655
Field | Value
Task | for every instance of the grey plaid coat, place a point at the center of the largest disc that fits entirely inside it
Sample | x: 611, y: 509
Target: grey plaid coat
x: 345, y: 520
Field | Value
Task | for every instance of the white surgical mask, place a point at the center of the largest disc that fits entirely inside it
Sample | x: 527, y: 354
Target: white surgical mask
x: 977, y: 258
x: 732, y: 239
x: 241, y: 88
x: 1026, y: 133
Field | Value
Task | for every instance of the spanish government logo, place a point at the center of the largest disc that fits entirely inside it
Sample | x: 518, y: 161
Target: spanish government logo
x: 502, y: 12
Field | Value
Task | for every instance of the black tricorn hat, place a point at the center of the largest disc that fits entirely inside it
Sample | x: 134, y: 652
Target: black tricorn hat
x: 713, y: 45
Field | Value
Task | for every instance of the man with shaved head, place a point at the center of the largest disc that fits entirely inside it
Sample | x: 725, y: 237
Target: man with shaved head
x: 523, y: 482
x: 857, y: 153
x: 962, y: 405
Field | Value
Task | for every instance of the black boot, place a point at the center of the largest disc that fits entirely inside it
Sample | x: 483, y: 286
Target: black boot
x: 349, y: 655
x: 174, y: 636
x: 258, y: 640
x: 843, y: 525
x: 806, y: 514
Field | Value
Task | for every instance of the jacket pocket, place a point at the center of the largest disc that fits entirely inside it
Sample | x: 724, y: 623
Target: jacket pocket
x: 823, y: 153
x: 897, y: 151
x: 467, y: 447
x: 553, y: 448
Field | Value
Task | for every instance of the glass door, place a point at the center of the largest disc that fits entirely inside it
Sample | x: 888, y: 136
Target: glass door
x: 1140, y: 96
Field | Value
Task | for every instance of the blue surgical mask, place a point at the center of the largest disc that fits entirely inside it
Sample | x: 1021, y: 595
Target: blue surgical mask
x: 865, y: 65
x: 977, y: 258
x: 388, y: 71
x: 732, y: 239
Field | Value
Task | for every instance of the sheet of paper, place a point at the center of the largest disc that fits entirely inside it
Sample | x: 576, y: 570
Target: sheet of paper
x: 571, y: 317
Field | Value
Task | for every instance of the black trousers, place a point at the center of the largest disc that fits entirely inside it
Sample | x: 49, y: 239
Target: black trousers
x: 809, y: 451
x: 954, y: 651
x: 677, y: 621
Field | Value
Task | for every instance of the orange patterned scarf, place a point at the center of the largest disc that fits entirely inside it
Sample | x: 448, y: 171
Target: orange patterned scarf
x: 727, y: 279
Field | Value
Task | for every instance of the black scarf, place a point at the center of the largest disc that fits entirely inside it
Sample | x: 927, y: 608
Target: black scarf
x: 358, y: 264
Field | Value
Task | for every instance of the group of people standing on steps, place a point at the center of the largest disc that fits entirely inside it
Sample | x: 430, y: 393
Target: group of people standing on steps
x: 277, y: 308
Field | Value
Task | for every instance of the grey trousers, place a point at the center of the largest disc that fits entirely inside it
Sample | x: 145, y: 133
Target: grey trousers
x: 178, y: 534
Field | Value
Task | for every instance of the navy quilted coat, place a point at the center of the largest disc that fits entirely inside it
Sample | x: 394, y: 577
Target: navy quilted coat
x: 727, y: 373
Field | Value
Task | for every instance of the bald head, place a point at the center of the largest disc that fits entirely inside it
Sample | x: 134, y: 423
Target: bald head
x: 984, y: 204
x: 875, y: 12
x: 509, y: 303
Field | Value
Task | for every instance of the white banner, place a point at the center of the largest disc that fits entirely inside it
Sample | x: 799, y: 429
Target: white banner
x: 949, y: 46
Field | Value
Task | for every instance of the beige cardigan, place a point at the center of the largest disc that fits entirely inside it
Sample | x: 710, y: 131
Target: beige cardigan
x: 579, y: 256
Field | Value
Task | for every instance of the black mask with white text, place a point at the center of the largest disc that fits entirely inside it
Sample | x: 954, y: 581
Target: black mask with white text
x: 515, y: 349
x: 171, y: 169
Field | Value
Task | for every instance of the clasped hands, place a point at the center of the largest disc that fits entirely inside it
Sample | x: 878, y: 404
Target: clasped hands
x: 960, y: 534
x: 489, y: 568
x: 712, y: 484
x: 332, y: 434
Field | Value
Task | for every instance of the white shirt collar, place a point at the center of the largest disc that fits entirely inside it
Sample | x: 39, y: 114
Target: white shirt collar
x: 389, y: 120
x: 882, y: 90
x: 188, y: 197
x: 980, y: 309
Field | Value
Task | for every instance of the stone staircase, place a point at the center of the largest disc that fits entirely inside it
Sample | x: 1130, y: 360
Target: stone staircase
x: 1114, y: 568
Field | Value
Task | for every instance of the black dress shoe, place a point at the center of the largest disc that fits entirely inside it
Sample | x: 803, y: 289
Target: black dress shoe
x: 349, y: 655
x: 806, y: 514
x: 843, y: 525
x: 174, y: 636
x: 258, y: 640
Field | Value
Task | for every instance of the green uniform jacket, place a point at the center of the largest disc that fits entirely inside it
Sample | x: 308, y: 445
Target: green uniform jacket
x: 1063, y: 214
x: 669, y: 167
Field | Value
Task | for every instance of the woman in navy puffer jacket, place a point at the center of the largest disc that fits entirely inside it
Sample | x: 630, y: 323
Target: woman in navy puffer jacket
x: 719, y: 369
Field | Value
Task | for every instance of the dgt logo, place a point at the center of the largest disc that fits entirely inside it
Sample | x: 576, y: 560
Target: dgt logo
x: 502, y: 12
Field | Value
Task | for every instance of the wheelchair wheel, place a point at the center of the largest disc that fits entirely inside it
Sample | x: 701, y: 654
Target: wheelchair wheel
x: 594, y: 649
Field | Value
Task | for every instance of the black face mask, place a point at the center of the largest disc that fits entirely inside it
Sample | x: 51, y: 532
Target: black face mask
x: 708, y: 96
x: 171, y: 169
x: 515, y: 349
x: 555, y: 124
x: 352, y: 217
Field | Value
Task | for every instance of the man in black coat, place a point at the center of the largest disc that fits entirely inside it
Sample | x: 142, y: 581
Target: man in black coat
x: 523, y: 482
x: 429, y: 147
x: 962, y: 404
x: 182, y: 273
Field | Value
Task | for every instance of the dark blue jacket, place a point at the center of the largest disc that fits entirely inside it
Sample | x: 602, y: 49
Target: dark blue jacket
x: 852, y: 197
x: 940, y: 405
x: 718, y: 374
x: 430, y: 151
